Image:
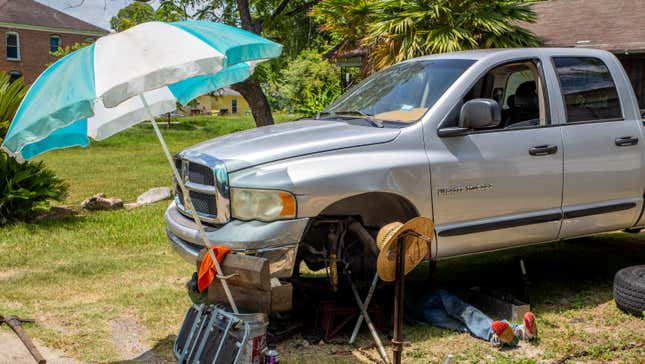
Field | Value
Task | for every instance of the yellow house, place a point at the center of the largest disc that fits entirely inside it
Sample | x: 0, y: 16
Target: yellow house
x: 224, y: 101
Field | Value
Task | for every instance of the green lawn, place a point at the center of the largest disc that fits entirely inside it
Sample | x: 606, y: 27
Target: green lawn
x: 103, y: 282
x: 77, y: 276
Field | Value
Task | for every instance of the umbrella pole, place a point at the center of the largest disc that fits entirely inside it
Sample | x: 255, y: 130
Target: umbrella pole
x: 190, y: 206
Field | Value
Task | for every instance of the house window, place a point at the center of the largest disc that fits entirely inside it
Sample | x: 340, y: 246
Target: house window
x: 233, y: 106
x: 13, y: 46
x: 54, y: 43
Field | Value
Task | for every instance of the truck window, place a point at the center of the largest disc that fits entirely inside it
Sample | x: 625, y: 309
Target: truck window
x: 519, y: 90
x: 588, y: 89
x: 401, y: 93
x: 513, y: 82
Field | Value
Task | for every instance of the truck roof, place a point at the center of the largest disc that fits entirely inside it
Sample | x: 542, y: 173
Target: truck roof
x: 515, y: 52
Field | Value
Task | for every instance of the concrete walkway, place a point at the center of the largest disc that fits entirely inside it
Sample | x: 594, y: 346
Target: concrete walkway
x: 13, y: 351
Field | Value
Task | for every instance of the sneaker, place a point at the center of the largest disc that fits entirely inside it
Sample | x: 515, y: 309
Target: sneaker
x: 503, y: 332
x: 528, y: 330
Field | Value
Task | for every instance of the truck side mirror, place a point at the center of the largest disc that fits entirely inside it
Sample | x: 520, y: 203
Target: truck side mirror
x: 480, y: 114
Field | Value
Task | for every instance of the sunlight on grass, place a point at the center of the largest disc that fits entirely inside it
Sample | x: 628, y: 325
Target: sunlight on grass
x: 77, y: 274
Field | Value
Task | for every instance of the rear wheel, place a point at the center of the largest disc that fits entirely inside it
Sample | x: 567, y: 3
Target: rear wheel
x: 629, y: 289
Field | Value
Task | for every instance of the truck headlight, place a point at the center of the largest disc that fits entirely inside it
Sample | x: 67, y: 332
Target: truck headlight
x: 264, y: 205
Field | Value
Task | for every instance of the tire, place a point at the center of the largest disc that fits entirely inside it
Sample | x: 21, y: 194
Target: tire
x: 629, y: 289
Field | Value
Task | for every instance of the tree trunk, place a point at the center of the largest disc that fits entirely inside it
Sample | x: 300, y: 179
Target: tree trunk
x: 251, y: 90
x: 253, y: 94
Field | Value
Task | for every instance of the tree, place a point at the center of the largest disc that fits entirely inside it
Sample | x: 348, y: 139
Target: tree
x: 309, y: 83
x: 284, y: 21
x: 131, y: 15
x: 397, y: 30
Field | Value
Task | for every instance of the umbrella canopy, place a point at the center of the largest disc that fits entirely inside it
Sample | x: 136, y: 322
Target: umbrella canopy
x: 97, y: 91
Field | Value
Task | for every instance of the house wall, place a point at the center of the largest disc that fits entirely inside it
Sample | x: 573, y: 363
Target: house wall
x: 216, y: 103
x: 34, y: 50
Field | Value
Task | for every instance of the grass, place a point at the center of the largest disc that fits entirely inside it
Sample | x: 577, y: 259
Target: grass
x: 83, y: 276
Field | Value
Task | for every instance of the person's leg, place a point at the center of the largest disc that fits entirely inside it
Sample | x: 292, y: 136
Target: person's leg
x: 435, y: 314
x: 478, y: 324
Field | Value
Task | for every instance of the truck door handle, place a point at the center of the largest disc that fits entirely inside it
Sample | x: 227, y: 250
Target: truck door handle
x: 626, y: 141
x: 543, y: 149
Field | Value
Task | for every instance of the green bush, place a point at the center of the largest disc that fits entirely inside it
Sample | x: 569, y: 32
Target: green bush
x: 309, y: 83
x: 26, y: 189
x: 11, y: 95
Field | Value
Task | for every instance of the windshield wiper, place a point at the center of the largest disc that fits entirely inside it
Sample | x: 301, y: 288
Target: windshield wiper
x: 375, y: 122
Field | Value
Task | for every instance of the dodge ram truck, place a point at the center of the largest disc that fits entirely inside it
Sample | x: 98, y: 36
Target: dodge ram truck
x: 500, y: 148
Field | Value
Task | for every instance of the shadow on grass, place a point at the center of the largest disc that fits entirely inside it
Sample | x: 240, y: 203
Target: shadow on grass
x: 161, y: 352
x: 50, y: 223
x: 565, y: 275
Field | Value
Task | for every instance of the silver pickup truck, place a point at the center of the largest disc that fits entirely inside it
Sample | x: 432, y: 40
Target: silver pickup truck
x: 501, y: 148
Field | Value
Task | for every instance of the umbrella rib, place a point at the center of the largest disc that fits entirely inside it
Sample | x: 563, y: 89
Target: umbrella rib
x: 190, y: 206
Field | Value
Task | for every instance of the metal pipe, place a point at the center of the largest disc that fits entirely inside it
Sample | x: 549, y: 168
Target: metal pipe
x: 397, y: 339
x: 15, y: 323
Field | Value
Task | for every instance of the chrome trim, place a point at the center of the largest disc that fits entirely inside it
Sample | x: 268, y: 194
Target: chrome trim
x: 221, y: 190
x: 210, y: 190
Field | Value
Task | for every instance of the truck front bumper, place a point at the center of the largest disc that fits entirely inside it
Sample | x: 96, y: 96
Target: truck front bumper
x: 277, y: 241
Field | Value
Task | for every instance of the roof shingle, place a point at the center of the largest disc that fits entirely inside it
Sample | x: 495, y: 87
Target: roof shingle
x: 616, y: 26
x: 31, y: 12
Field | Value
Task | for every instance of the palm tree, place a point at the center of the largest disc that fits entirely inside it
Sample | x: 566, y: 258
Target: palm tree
x: 396, y: 30
x: 11, y: 94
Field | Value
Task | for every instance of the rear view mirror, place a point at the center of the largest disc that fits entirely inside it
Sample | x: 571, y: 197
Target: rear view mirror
x: 480, y: 114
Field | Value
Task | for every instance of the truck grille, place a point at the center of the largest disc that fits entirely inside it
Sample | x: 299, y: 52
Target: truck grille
x: 201, y: 184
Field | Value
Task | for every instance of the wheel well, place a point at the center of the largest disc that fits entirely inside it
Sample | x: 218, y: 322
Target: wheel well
x: 374, y: 208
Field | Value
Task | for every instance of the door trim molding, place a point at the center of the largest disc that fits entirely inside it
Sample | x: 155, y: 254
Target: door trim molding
x: 479, y: 227
x: 503, y: 224
x: 604, y: 209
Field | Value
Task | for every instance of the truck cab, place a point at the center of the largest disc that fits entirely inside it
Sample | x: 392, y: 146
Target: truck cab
x: 500, y: 148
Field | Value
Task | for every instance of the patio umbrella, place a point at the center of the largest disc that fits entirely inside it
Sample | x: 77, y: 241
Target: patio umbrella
x: 125, y: 78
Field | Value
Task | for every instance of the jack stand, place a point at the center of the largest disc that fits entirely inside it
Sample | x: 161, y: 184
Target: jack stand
x: 526, y: 284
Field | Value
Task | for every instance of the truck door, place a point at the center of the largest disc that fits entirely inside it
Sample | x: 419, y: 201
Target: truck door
x: 603, y: 183
x: 501, y: 187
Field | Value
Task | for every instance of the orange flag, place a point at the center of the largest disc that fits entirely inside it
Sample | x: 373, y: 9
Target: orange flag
x: 207, y: 271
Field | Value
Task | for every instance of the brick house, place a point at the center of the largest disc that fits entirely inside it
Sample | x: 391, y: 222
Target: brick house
x: 616, y: 26
x: 30, y: 30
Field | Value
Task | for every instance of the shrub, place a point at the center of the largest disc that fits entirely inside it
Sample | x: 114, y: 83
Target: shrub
x: 25, y: 189
x: 309, y: 83
x: 11, y: 95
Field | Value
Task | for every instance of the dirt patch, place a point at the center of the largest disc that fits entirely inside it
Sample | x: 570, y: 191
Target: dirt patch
x: 129, y: 337
x: 13, y: 351
x: 10, y: 274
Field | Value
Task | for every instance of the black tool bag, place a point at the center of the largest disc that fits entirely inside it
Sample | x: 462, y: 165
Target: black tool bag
x: 210, y: 335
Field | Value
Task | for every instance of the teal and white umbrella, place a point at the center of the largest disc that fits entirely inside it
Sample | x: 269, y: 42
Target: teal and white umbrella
x: 125, y: 78
x: 97, y: 91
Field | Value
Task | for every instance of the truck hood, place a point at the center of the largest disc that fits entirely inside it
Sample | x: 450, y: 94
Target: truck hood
x: 270, y: 143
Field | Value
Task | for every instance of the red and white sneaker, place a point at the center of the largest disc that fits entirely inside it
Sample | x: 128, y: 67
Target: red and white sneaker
x: 527, y: 331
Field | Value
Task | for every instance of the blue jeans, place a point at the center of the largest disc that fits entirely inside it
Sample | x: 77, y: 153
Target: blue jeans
x: 443, y: 309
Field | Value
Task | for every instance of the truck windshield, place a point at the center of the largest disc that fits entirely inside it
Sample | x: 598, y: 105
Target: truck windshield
x: 401, y: 93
